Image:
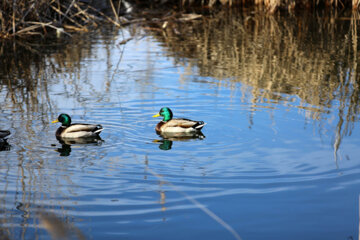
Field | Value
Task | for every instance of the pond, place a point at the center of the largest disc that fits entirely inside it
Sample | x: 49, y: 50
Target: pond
x: 278, y: 157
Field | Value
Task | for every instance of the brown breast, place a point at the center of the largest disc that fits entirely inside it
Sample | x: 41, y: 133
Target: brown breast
x: 159, y: 125
x: 59, y: 131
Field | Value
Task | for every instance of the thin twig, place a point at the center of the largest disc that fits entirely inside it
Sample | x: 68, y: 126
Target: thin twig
x: 119, y: 5
x: 102, y: 14
x: 61, y: 13
x: 114, y: 10
x: 67, y: 11
x: 13, y: 17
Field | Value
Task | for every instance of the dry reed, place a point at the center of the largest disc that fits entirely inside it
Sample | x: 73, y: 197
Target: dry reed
x: 37, y: 17
x: 273, y: 5
x: 21, y: 18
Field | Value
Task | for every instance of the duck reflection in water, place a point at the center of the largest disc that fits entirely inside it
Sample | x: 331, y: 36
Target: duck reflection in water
x: 66, y: 144
x: 4, y: 145
x: 168, y: 138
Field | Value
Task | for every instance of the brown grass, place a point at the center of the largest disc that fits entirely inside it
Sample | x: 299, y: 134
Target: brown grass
x: 21, y: 18
x: 273, y: 5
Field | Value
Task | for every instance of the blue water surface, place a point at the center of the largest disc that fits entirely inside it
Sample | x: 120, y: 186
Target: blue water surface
x: 266, y: 169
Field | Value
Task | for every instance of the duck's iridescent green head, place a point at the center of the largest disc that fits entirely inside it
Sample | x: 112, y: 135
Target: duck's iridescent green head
x: 64, y: 119
x: 166, y: 113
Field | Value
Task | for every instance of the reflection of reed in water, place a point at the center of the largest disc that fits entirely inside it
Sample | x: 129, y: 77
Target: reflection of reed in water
x: 29, y: 69
x: 27, y: 72
x: 307, y: 62
x: 57, y: 228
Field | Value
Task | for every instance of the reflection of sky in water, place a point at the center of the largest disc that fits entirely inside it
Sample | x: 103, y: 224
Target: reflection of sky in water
x: 137, y: 78
x: 260, y: 164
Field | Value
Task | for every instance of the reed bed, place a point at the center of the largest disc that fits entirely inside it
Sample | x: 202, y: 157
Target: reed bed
x: 20, y: 18
x: 268, y: 5
x: 273, y: 5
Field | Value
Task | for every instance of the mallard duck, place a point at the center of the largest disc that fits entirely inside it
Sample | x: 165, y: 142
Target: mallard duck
x: 75, y: 130
x: 4, y: 133
x: 176, y: 125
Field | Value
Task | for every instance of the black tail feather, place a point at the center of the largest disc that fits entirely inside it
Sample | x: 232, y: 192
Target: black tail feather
x: 199, y: 125
x: 4, y: 133
x: 98, y: 129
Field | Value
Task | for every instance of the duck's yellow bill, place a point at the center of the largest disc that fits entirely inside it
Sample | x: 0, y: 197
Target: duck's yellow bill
x: 156, y: 115
x: 55, y: 121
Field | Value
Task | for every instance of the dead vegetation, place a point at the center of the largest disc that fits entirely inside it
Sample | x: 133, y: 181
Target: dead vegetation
x: 273, y: 5
x: 21, y: 18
